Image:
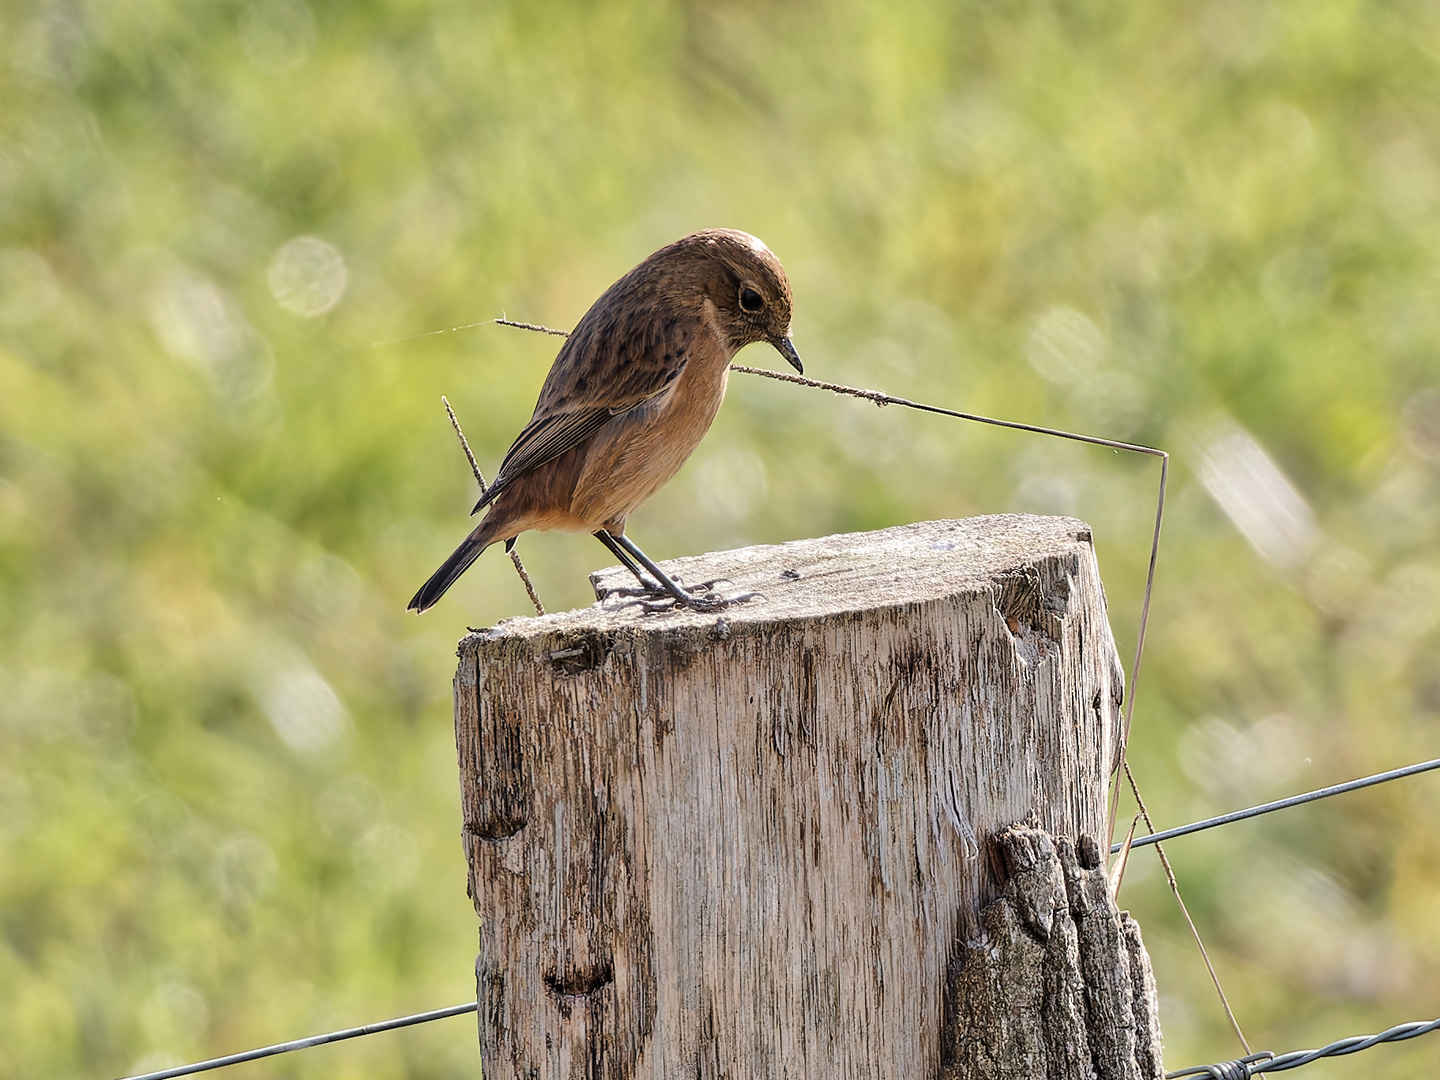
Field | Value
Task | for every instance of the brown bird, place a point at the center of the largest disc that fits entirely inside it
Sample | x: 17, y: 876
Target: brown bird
x: 630, y: 395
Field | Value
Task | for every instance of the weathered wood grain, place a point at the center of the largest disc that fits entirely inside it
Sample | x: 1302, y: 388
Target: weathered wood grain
x: 749, y: 844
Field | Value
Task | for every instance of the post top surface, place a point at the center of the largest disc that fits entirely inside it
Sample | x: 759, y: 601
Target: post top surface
x: 828, y: 575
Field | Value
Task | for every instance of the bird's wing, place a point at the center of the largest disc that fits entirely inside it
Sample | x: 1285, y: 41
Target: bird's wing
x: 541, y: 441
x: 627, y: 349
x: 607, y: 367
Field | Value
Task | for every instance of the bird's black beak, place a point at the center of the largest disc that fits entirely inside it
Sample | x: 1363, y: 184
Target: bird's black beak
x: 787, y: 349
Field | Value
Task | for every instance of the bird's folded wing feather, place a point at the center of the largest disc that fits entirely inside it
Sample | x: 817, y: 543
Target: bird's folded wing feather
x: 602, y: 371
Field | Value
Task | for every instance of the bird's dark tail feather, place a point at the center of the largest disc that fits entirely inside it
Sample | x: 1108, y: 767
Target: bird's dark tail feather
x: 458, y: 562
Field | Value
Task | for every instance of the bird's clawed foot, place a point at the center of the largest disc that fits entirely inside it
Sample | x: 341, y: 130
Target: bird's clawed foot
x: 654, y: 598
x: 657, y: 602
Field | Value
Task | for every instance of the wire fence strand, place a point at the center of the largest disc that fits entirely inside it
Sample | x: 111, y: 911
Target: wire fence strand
x: 1266, y: 1062
x: 1279, y: 804
x: 306, y: 1043
x: 880, y: 398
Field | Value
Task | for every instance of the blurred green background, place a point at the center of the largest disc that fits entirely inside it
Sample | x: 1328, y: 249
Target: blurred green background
x: 228, y: 810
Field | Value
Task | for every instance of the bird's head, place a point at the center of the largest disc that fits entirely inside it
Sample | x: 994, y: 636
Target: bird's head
x: 746, y: 283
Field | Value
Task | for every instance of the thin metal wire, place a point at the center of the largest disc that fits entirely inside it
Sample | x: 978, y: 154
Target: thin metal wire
x: 1240, y: 1069
x: 528, y: 326
x: 1280, y: 804
x: 1194, y: 930
x: 1266, y: 1062
x: 880, y: 398
x: 313, y: 1040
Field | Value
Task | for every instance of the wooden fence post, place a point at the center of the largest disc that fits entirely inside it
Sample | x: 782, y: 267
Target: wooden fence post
x: 777, y: 841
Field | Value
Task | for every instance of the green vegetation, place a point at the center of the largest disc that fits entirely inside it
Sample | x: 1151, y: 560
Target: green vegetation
x: 228, y: 808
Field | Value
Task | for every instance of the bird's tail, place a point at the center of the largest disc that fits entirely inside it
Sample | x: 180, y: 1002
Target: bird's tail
x: 458, y: 562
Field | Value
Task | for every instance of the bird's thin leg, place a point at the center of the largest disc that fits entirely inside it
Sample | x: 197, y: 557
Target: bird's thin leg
x: 663, y: 578
x: 683, y: 598
x: 605, y: 537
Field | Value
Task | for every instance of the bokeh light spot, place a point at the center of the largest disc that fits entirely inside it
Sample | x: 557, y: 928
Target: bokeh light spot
x: 308, y: 276
x: 1257, y: 496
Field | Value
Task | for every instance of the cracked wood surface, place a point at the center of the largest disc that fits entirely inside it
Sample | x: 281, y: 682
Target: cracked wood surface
x: 750, y: 843
x: 1057, y: 985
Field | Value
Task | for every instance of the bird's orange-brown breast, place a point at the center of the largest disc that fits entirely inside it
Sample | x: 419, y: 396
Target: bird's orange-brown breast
x: 634, y: 455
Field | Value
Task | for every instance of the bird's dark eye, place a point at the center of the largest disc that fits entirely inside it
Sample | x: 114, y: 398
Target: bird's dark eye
x: 751, y: 300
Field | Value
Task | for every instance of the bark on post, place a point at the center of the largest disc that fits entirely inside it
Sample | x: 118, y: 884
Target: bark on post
x: 776, y: 841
